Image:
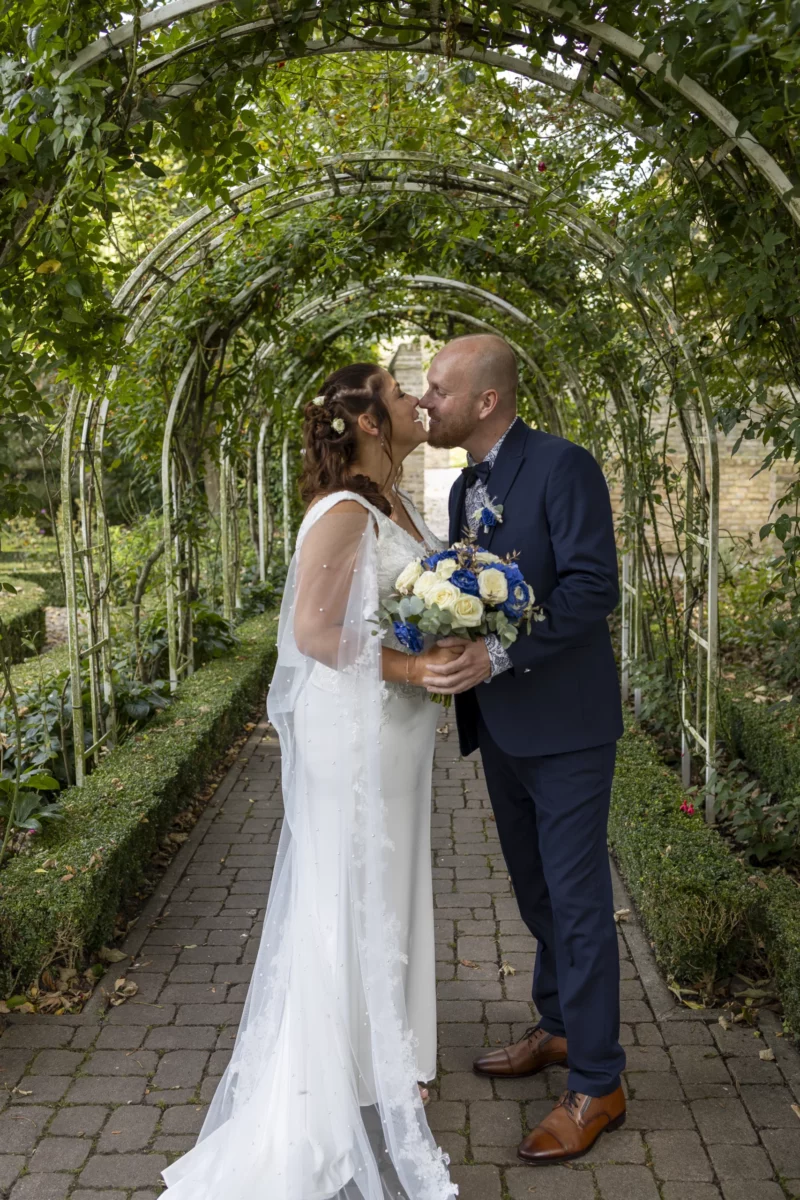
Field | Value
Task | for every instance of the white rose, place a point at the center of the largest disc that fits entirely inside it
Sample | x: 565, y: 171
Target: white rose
x: 426, y: 581
x: 467, y: 612
x: 443, y: 595
x: 493, y: 586
x: 408, y: 577
x: 446, y: 566
x: 485, y: 556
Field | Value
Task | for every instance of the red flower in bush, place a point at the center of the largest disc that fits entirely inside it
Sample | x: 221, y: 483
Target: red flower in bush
x: 542, y: 166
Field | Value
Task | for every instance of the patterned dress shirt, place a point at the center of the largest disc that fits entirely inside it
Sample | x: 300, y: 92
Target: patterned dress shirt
x: 478, y: 495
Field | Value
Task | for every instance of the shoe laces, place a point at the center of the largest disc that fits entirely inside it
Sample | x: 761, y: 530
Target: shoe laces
x: 569, y: 1100
x: 531, y: 1032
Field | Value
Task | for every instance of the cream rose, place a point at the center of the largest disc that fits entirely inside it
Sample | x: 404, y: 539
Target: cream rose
x: 426, y: 581
x: 485, y: 556
x: 408, y: 577
x: 493, y: 586
x: 445, y: 567
x: 443, y: 595
x: 467, y: 612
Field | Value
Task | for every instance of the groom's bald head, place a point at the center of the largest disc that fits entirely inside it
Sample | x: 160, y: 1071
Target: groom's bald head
x: 472, y: 391
x: 490, y: 363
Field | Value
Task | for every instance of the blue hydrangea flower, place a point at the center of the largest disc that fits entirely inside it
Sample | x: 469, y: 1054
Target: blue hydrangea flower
x: 429, y: 563
x: 466, y: 581
x: 518, y: 599
x: 409, y: 636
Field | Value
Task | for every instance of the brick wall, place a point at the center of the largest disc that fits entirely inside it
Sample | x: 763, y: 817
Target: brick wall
x: 747, y: 494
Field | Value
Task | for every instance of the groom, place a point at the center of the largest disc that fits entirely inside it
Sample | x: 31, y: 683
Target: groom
x: 546, y: 716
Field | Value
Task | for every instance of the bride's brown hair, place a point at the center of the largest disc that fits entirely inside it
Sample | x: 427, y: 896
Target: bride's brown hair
x: 330, y: 442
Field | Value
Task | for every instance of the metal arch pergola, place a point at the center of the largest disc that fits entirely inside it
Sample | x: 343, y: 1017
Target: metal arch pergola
x: 167, y: 263
x: 302, y: 315
x: 598, y: 35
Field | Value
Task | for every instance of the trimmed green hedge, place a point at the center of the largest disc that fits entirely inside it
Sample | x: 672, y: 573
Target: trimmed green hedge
x: 42, y: 667
x: 764, y: 734
x: 23, y: 617
x: 761, y: 733
x: 782, y: 942
x: 695, y: 897
x: 48, y: 578
x: 114, y: 824
x: 703, y: 908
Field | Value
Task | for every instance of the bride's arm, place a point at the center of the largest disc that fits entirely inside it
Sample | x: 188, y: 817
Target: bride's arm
x: 328, y: 559
x: 326, y: 565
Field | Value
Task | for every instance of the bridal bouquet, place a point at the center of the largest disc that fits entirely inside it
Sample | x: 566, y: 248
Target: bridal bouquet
x: 464, y: 591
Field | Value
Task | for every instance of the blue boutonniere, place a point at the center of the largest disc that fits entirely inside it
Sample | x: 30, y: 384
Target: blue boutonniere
x: 489, y: 515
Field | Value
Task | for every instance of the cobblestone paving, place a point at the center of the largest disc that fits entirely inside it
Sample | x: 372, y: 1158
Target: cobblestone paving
x: 93, y: 1107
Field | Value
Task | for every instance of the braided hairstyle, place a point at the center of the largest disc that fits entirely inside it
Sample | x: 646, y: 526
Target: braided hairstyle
x: 330, y: 442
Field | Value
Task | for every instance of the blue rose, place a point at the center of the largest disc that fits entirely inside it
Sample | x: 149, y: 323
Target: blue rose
x: 465, y: 581
x: 409, y: 636
x: 429, y: 563
x: 519, y: 595
x: 487, y: 518
x: 511, y: 572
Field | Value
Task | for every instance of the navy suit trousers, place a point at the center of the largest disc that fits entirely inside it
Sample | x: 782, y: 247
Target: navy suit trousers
x: 552, y: 817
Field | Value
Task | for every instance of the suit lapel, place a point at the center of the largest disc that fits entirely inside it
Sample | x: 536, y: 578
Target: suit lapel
x: 505, y: 470
x: 457, y: 509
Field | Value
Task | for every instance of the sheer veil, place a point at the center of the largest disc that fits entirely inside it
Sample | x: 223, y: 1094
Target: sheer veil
x: 320, y: 1098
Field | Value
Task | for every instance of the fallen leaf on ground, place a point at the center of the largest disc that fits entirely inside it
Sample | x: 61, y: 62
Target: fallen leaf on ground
x: 108, y: 954
x: 467, y: 962
x: 123, y: 990
x: 796, y: 1109
x: 622, y: 914
x: 507, y: 969
x: 767, y: 1055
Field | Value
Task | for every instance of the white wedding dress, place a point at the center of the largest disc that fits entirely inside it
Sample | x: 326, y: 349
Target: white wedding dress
x: 320, y: 1099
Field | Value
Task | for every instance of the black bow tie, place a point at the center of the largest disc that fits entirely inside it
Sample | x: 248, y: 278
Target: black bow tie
x: 480, y: 471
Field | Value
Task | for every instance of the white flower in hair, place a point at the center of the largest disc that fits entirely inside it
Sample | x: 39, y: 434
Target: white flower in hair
x: 319, y: 401
x: 338, y: 425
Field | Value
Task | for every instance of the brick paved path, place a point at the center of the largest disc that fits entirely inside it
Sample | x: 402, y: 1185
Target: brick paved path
x: 93, y: 1107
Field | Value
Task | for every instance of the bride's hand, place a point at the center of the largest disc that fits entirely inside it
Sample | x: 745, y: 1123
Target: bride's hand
x: 436, y: 656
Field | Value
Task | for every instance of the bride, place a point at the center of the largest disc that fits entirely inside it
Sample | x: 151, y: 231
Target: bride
x: 324, y: 1094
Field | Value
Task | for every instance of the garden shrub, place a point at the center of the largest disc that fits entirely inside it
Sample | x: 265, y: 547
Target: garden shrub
x: 48, y: 578
x: 698, y: 902
x: 762, y: 728
x: 22, y: 617
x: 782, y: 942
x: 62, y: 899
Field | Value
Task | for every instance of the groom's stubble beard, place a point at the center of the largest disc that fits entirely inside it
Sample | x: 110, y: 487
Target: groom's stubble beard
x: 445, y: 433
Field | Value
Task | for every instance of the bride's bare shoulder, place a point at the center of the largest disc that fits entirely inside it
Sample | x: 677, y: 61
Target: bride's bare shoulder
x: 341, y: 506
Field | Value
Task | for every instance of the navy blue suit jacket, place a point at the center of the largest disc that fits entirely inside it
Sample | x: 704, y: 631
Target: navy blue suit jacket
x: 562, y: 693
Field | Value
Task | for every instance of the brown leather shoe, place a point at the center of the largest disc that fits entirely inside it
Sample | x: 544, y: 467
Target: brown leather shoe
x: 535, y: 1050
x: 573, y: 1126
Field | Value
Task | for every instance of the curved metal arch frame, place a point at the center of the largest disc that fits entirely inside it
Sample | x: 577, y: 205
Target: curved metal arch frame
x: 303, y: 314
x: 596, y: 240
x: 597, y: 34
x: 514, y: 190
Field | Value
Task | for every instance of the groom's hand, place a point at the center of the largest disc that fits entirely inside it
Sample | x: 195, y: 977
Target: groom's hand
x: 471, y: 667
